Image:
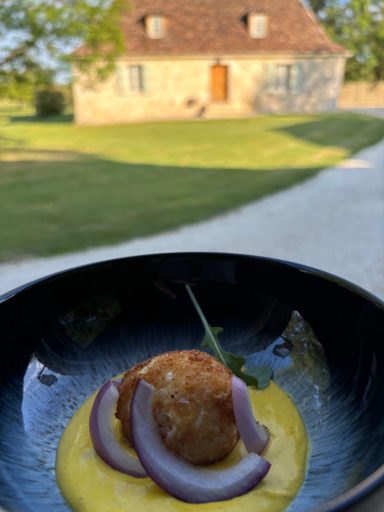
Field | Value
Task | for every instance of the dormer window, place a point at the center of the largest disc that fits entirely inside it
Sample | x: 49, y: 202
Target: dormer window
x: 155, y: 26
x: 257, y: 25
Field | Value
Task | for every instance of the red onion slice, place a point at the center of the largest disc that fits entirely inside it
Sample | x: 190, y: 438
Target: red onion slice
x: 103, y: 438
x: 185, y: 481
x: 254, y: 436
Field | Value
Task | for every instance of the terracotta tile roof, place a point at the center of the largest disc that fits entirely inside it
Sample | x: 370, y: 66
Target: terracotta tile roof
x: 198, y: 27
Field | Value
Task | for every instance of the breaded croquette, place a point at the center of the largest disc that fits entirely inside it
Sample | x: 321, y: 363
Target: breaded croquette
x: 192, y: 404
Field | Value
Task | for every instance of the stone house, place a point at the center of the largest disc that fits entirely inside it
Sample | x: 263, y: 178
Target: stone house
x: 215, y: 58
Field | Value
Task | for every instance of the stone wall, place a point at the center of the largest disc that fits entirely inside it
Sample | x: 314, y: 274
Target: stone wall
x: 181, y: 88
x: 318, y: 90
x: 362, y: 94
x: 173, y: 89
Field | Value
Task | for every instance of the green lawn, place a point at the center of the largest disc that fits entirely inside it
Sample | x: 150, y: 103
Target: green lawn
x: 65, y: 188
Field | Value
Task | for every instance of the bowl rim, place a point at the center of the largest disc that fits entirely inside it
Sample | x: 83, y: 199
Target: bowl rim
x: 328, y: 276
x: 357, y: 493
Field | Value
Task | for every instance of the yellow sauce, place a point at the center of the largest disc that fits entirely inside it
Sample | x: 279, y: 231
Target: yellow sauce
x: 90, y: 485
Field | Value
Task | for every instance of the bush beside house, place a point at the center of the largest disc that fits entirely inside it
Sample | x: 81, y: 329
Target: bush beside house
x: 49, y: 103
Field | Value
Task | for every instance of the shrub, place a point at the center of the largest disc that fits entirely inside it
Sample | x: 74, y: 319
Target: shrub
x: 49, y: 103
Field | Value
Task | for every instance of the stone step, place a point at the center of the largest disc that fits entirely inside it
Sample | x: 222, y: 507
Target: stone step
x: 224, y: 110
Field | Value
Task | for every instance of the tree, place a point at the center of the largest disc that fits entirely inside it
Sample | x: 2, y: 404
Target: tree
x: 359, y: 26
x: 37, y: 35
x: 362, y: 32
x: 317, y: 5
x: 21, y: 87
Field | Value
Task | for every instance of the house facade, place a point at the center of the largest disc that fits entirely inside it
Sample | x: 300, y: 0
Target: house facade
x: 215, y: 58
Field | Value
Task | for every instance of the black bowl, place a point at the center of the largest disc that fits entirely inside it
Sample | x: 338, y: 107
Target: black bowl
x: 63, y: 336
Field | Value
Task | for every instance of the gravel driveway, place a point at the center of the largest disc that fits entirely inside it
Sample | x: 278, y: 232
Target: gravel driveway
x: 334, y: 222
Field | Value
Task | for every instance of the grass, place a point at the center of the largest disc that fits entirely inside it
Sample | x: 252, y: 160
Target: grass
x: 66, y: 188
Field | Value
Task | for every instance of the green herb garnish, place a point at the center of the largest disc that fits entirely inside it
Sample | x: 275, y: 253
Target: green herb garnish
x: 258, y: 375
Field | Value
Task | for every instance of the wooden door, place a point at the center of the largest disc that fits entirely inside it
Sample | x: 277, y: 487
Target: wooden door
x: 219, y: 82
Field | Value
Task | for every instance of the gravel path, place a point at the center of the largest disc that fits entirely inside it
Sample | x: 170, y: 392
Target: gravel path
x: 334, y: 222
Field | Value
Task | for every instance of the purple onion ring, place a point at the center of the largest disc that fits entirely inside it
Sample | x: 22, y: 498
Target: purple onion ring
x: 102, y: 436
x: 194, y: 484
x: 254, y: 435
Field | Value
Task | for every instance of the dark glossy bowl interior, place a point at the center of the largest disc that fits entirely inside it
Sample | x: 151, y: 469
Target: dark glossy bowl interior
x: 65, y: 335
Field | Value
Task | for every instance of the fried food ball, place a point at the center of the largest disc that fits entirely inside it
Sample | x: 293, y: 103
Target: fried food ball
x: 192, y: 404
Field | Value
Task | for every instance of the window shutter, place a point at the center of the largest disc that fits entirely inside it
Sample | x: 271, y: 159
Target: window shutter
x: 120, y: 79
x: 296, y: 78
x: 271, y: 78
x: 144, y: 78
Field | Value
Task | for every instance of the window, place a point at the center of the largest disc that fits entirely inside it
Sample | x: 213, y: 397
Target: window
x: 257, y: 25
x: 285, y: 78
x: 130, y: 79
x: 136, y: 78
x: 155, y: 26
x: 282, y: 78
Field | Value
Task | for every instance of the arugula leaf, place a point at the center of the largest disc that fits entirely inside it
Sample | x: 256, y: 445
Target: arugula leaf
x: 262, y: 372
x: 258, y: 376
